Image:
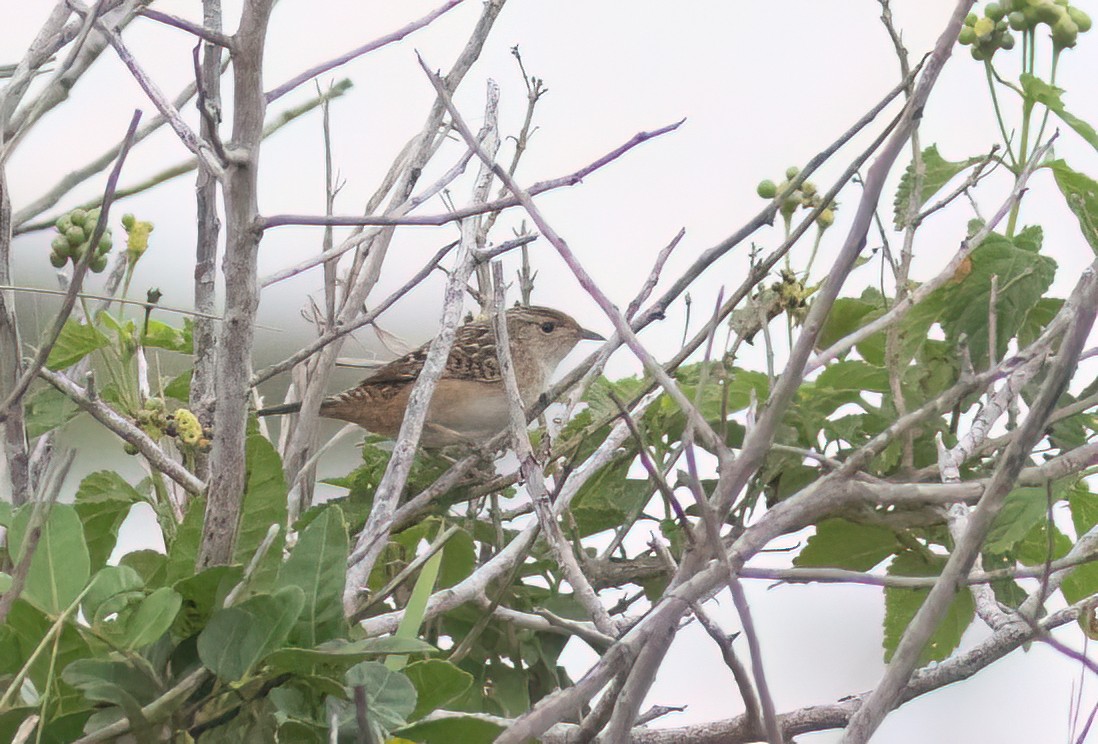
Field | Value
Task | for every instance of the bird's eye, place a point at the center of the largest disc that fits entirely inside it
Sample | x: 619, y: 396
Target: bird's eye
x: 548, y: 326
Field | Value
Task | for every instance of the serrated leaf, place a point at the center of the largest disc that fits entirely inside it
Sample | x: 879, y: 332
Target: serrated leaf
x: 937, y: 172
x: 163, y: 336
x: 1023, y: 509
x: 46, y: 409
x: 264, y: 504
x: 237, y: 638
x: 607, y: 499
x: 103, y: 501
x: 1084, y: 508
x: 847, y: 315
x: 318, y: 566
x: 1081, y: 194
x: 902, y: 604
x: 1038, y: 90
x: 842, y: 544
x: 76, y: 341
x: 184, y: 547
x: 1023, y: 276
x: 60, y: 567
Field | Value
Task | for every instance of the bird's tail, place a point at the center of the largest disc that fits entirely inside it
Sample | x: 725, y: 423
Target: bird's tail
x: 279, y: 410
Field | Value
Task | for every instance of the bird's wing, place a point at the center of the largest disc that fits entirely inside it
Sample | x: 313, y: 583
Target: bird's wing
x: 472, y: 357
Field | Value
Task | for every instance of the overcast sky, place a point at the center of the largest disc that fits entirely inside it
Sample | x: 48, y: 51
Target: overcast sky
x: 762, y: 86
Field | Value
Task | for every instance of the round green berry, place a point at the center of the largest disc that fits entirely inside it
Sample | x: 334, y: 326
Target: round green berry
x: 1017, y: 21
x: 791, y: 172
x: 967, y: 35
x: 767, y: 189
x: 58, y: 259
x: 1006, y: 41
x: 1065, y: 32
x: 78, y: 216
x: 128, y: 220
x: 983, y: 28
x: 971, y: 18
x: 826, y: 218
x: 994, y: 11
x: 1082, y: 20
x: 98, y: 263
x: 75, y: 236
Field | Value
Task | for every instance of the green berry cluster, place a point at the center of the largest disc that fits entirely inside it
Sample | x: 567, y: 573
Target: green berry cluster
x: 990, y: 33
x: 75, y: 231
x: 804, y: 195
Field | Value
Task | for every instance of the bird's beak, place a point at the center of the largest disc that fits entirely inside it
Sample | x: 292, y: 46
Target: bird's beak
x: 587, y: 335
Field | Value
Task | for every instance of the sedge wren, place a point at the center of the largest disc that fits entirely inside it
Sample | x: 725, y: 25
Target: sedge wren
x: 469, y: 403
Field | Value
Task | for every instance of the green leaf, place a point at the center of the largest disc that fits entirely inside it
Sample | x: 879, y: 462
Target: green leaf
x: 163, y: 336
x: 415, y: 609
x: 103, y: 500
x: 937, y: 171
x: 1081, y: 194
x: 437, y: 682
x: 180, y: 386
x: 237, y: 638
x: 1023, y: 509
x: 184, y: 547
x: 153, y: 617
x: 318, y: 566
x: 46, y: 409
x: 60, y: 567
x: 448, y: 730
x: 1084, y: 508
x: 390, y: 699
x: 76, y: 341
x: 853, y: 375
x: 608, y: 498
x: 1023, y: 276
x: 151, y: 565
x: 1038, y: 90
x: 341, y: 652
x: 111, y: 589
x: 902, y: 604
x: 264, y: 504
x: 842, y: 544
x: 203, y: 593
x: 117, y: 682
x: 459, y: 559
x: 848, y: 314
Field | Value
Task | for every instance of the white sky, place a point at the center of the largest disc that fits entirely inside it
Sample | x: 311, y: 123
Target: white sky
x: 762, y: 86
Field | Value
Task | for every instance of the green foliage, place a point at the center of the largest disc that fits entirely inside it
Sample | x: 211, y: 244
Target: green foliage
x: 317, y: 567
x: 76, y: 341
x: 1081, y: 194
x: 236, y: 638
x: 937, y: 172
x: 842, y: 544
x: 61, y: 565
x: 902, y: 604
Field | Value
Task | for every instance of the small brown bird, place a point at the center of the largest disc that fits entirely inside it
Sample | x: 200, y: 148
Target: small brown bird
x: 469, y: 403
